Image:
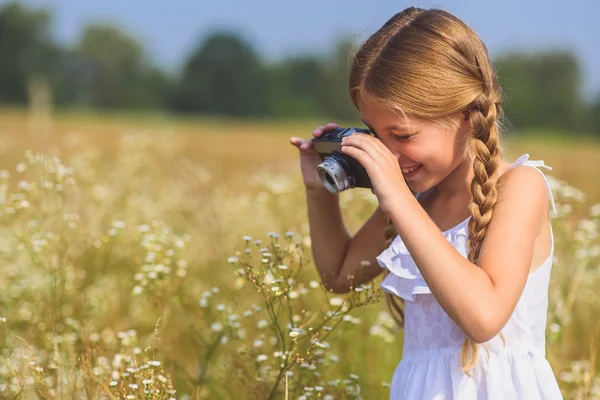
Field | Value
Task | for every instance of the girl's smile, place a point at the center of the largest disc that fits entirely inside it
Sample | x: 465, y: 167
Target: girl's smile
x: 411, y: 172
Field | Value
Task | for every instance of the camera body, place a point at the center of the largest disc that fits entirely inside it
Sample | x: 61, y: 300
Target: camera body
x: 339, y: 171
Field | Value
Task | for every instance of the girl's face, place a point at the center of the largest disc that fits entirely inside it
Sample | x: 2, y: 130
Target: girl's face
x: 427, y: 152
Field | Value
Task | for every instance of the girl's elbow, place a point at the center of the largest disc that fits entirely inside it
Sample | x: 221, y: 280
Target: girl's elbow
x: 484, y: 329
x: 481, y: 336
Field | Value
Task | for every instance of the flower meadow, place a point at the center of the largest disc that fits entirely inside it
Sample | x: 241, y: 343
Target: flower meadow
x: 152, y: 263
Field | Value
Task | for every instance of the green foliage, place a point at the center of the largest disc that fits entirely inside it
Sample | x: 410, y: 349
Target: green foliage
x: 594, y: 115
x: 26, y: 50
x: 224, y: 75
x: 118, y: 74
x: 308, y: 86
x: 542, y: 90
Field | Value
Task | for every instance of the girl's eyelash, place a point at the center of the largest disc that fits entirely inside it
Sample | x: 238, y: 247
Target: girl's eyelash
x: 403, y: 138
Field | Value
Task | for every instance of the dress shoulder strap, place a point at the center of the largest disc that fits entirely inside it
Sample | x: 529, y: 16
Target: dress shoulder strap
x: 537, y: 164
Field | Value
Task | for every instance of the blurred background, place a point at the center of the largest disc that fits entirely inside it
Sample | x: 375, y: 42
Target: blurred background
x: 172, y: 121
x: 269, y: 60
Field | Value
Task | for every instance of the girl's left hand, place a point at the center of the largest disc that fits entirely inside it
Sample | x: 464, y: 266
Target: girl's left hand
x: 381, y: 165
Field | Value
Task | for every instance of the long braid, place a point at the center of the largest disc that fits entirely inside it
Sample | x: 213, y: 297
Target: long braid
x: 485, y: 147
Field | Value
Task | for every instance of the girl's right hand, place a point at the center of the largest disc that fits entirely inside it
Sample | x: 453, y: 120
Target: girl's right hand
x: 309, y: 159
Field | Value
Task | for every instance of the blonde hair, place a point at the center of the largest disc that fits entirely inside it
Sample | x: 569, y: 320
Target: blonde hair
x: 428, y: 64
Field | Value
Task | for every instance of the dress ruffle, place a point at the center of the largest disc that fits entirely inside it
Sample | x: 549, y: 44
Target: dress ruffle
x: 405, y: 279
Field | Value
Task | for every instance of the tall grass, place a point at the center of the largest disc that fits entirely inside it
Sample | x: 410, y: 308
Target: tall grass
x: 166, y: 260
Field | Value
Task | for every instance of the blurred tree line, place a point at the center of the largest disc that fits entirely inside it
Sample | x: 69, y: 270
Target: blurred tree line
x: 224, y: 75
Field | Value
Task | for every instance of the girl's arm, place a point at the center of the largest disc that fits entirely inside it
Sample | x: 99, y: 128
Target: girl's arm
x: 336, y: 253
x: 480, y: 299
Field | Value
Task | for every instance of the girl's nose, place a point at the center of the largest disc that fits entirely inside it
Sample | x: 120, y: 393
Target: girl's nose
x: 403, y: 160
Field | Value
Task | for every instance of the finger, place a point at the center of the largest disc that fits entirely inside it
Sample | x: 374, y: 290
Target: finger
x: 318, y: 131
x: 323, y: 128
x: 301, y: 144
x: 366, y: 143
x: 306, y: 146
x: 296, y: 141
x: 360, y: 155
x: 377, y: 145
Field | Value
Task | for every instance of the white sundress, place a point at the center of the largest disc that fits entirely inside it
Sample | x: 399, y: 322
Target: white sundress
x: 431, y: 367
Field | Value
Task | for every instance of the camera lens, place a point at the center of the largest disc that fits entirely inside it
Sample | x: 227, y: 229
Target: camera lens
x: 329, y: 179
x: 333, y: 176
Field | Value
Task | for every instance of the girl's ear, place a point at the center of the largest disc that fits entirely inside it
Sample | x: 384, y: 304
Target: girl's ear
x: 464, y: 130
x: 465, y: 124
x: 466, y: 114
x: 461, y: 121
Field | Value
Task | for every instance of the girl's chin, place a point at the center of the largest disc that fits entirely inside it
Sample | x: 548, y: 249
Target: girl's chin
x: 417, y: 187
x: 414, y: 188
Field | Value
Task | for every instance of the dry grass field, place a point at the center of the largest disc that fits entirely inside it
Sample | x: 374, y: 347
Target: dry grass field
x: 156, y: 258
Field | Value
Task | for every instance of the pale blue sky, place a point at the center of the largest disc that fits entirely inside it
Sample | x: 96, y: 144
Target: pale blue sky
x: 171, y: 29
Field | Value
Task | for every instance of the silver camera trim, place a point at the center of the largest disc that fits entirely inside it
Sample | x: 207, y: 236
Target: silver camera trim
x: 333, y: 176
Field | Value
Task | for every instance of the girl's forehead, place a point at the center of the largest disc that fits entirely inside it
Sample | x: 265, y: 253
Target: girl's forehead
x: 372, y: 108
x: 389, y: 118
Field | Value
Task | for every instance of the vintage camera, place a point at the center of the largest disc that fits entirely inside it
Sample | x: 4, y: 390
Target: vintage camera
x: 339, y: 171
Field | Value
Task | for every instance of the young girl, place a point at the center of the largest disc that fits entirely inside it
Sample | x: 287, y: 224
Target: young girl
x: 463, y: 236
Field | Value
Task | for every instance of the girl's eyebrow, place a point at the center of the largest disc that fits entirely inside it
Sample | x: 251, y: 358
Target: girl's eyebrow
x: 392, y: 126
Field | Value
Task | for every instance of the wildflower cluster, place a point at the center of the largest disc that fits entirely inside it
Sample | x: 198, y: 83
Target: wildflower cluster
x: 298, y: 342
x: 132, y: 374
x: 36, y: 204
x: 163, y: 265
